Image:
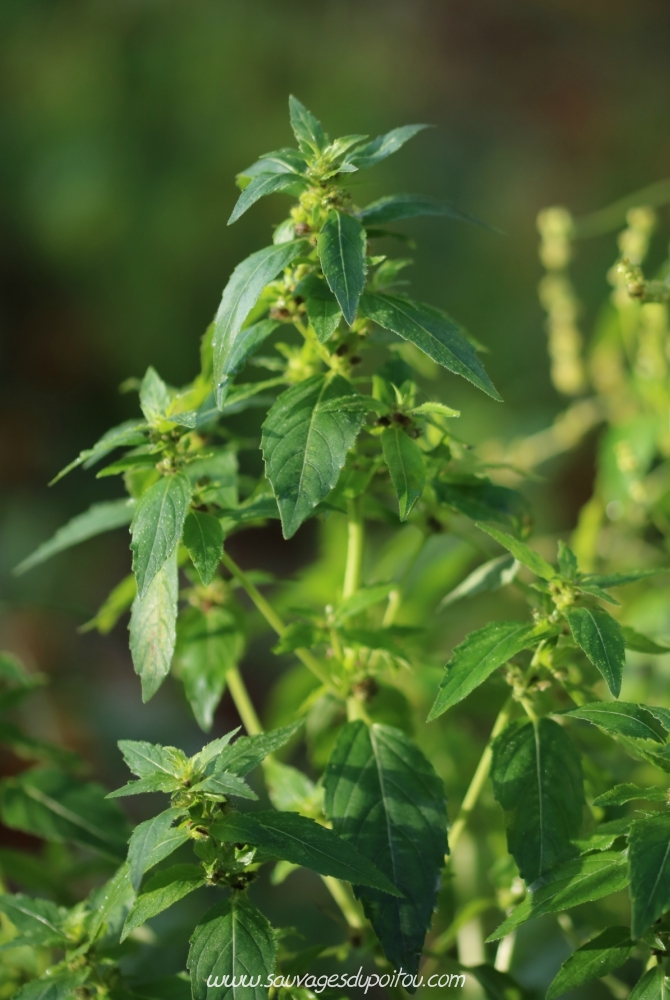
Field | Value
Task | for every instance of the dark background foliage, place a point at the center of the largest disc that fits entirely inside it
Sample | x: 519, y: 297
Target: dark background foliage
x: 122, y: 125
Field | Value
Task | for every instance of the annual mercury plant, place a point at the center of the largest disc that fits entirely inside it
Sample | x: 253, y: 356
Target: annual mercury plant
x: 350, y: 435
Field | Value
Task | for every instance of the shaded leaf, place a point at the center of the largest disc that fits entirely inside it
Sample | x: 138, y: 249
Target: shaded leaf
x: 53, y: 985
x: 154, y: 396
x: 649, y: 867
x: 620, y: 718
x: 364, y: 598
x: 152, y: 627
x: 260, y: 186
x: 537, y: 779
x: 247, y: 752
x: 482, y: 500
x: 244, y: 344
x: 157, y: 526
x: 154, y: 840
x: 209, y: 644
x: 491, y: 575
x: 395, y: 207
x: 38, y: 921
x: 383, y: 146
x: 341, y: 248
x: 533, y: 560
x: 307, y: 129
x: 203, y: 537
x: 305, y: 448
x: 652, y: 986
x: 385, y: 798
x: 406, y: 466
x: 97, y: 519
x: 619, y: 579
x: 598, y: 957
x: 599, y: 636
x: 627, y: 792
x: 497, y: 985
x: 109, y: 612
x: 641, y: 643
x: 223, y: 783
x: 431, y: 331
x: 162, y: 891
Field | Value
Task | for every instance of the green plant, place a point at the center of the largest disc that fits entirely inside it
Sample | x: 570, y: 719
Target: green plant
x: 351, y: 439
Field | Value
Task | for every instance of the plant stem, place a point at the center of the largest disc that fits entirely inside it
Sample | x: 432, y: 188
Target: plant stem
x: 479, y: 777
x: 273, y: 619
x: 352, y: 572
x: 243, y: 703
x: 345, y: 901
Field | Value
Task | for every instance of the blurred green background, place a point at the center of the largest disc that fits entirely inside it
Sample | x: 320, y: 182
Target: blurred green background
x: 122, y: 125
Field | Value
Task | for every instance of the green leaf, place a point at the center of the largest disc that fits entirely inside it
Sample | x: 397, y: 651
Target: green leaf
x: 482, y: 500
x: 50, y: 804
x: 239, y: 297
x: 154, y: 396
x: 395, y: 207
x: 203, y: 537
x: 641, y: 643
x: 569, y: 884
x: 279, y: 161
x: 38, y: 921
x: 243, y: 345
x: 146, y: 759
x: 649, y: 867
x: 231, y: 941
x: 482, y: 652
x: 383, y: 146
x: 491, y: 575
x: 154, y: 840
x: 222, y: 784
x: 157, y: 526
x: 261, y: 186
x: 209, y: 645
x: 522, y: 552
x: 341, y: 248
x: 247, y: 752
x: 652, y: 986
x: 109, y: 612
x: 307, y: 129
x: 383, y: 796
x: 305, y: 448
x: 211, y: 751
x: 162, y: 891
x: 599, y: 636
x: 289, y: 790
x: 153, y: 783
x: 627, y: 792
x: 323, y: 310
x: 128, y: 434
x: 432, y: 331
x: 304, y: 842
x: 406, y: 467
x: 110, y: 903
x: 620, y: 718
x: 537, y: 779
x: 364, y: 598
x: 598, y: 957
x: 619, y: 579
x: 97, y: 519
x: 55, y: 985
x: 299, y: 635
x: 497, y: 985
x: 153, y: 629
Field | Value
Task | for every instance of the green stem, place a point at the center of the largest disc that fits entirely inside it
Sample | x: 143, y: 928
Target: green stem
x: 479, y: 777
x: 352, y: 572
x: 243, y: 703
x: 345, y: 900
x: 273, y: 619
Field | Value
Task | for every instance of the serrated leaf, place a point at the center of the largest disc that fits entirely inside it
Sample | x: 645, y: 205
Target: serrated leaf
x: 432, y: 331
x: 341, y: 248
x: 245, y: 343
x: 384, y: 145
x: 649, y: 868
x: 604, y: 580
x: 522, y: 552
x: 203, y: 537
x: 224, y: 783
x: 211, y: 751
x: 491, y: 575
x: 600, y: 637
x: 239, y: 297
x: 153, y: 630
x: 231, y: 941
x: 154, y: 396
x: 483, y: 500
x: 598, y: 957
x: 628, y: 792
x: 394, y: 207
x: 38, y: 921
x: 307, y: 129
x: 247, y: 752
x: 209, y: 644
x: 323, y: 310
x: 291, y: 837
x: 161, y: 892
x: 130, y: 433
x: 482, y: 652
x: 620, y: 718
x: 384, y: 797
x: 641, y: 643
x: 364, y: 598
x: 152, y: 783
x: 56, y: 985
x: 146, y: 759
x: 96, y: 520
x: 49, y: 803
x: 406, y: 466
x: 157, y: 526
x: 537, y: 779
x: 569, y: 884
x: 652, y: 986
x: 305, y: 448
x: 262, y: 185
x: 154, y: 840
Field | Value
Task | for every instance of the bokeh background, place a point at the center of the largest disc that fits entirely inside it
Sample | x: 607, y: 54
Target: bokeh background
x: 122, y: 125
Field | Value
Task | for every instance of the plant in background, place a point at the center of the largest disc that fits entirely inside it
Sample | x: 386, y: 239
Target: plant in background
x: 350, y: 436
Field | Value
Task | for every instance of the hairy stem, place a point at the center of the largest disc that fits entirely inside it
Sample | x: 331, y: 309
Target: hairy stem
x: 273, y: 619
x: 352, y: 572
x: 479, y: 777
